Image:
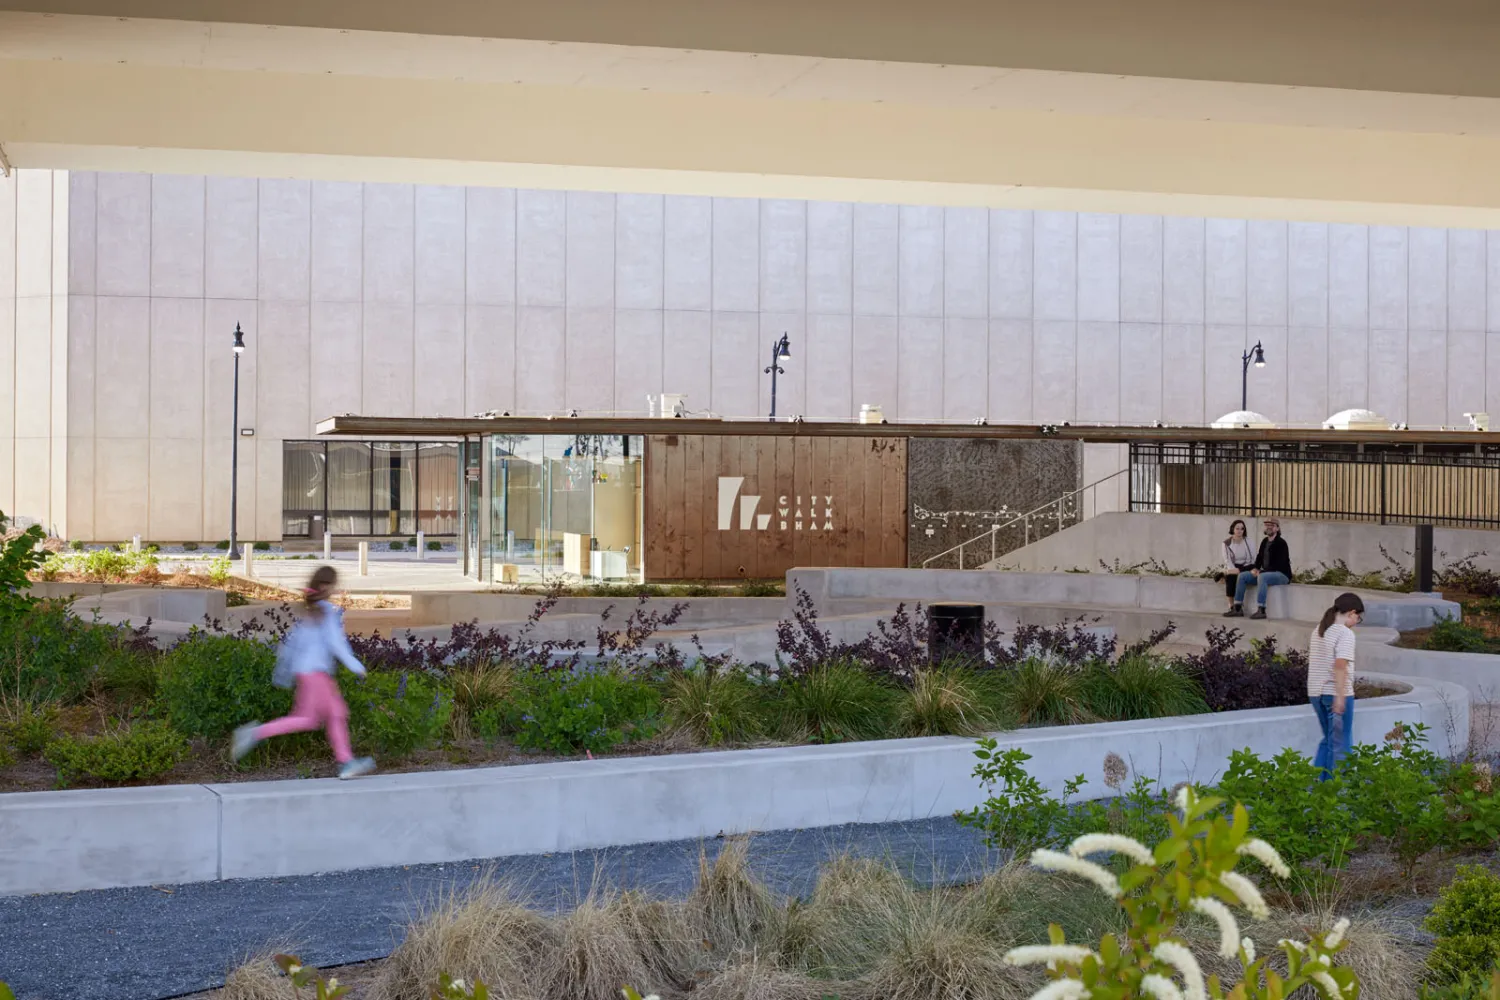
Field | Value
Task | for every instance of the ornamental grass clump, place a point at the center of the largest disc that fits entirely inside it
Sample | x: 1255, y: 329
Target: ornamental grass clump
x: 1191, y: 872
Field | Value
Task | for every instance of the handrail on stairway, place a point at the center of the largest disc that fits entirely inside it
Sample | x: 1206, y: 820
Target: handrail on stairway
x: 997, y: 527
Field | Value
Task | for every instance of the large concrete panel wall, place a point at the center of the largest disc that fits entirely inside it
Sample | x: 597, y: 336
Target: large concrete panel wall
x: 405, y: 300
x: 34, y: 346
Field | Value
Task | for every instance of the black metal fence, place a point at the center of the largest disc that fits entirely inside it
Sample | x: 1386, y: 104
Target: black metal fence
x: 380, y: 488
x: 1451, y: 486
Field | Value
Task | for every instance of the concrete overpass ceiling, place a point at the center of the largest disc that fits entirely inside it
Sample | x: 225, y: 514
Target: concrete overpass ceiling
x: 1434, y: 47
x: 360, y: 53
x: 582, y: 94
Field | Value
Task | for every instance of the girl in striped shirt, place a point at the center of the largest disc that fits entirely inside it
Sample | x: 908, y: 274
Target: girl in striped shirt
x: 1330, y: 679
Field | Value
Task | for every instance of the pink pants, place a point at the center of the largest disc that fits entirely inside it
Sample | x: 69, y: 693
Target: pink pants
x: 318, y: 705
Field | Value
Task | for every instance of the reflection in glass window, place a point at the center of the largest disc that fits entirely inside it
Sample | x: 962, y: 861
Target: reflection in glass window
x: 437, y: 486
x: 369, y: 488
x: 555, y: 494
x: 302, y: 479
x: 349, y: 500
x: 394, y: 500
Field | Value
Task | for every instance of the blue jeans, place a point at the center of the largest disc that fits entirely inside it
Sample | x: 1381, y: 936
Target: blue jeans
x: 1269, y: 579
x: 1338, y: 733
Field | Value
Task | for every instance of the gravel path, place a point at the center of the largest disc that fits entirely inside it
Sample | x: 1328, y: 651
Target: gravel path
x: 168, y: 941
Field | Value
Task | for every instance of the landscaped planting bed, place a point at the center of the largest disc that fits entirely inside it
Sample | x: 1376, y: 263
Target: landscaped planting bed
x: 86, y: 705
x: 1245, y: 882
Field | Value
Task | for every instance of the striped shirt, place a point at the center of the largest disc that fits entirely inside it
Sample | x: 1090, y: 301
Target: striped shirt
x: 1336, y: 644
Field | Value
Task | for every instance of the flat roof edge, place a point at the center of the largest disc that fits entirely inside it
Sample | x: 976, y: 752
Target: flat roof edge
x: 352, y: 425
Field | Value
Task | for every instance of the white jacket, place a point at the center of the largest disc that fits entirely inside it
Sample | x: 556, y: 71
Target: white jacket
x: 1241, y: 550
x: 317, y: 644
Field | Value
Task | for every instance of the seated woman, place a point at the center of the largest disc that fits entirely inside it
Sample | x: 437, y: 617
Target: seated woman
x: 1238, y: 557
x: 1273, y: 568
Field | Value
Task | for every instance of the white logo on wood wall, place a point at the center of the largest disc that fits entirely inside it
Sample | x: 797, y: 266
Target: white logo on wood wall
x: 808, y: 512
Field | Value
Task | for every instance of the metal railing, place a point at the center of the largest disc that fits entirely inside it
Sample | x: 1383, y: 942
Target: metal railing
x: 1389, y: 485
x: 1057, y: 514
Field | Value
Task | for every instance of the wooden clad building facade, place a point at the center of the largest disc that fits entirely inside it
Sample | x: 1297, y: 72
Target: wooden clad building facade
x: 691, y: 499
x: 739, y: 506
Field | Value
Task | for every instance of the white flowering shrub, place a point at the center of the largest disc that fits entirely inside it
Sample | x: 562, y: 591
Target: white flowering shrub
x: 1192, y: 871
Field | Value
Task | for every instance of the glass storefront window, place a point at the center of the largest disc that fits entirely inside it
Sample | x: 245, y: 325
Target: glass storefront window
x: 349, y: 487
x: 437, y: 483
x: 374, y: 488
x: 565, y: 504
x: 394, y: 499
x: 303, y: 468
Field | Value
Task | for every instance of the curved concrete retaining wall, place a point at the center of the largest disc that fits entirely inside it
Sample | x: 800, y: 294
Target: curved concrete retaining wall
x: 1477, y: 673
x: 68, y: 841
x: 137, y: 603
x: 1097, y: 590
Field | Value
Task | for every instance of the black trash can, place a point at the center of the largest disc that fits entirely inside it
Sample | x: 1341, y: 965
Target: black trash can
x: 955, y: 632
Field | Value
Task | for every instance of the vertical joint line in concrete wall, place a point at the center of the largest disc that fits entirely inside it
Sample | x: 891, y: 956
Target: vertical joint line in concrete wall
x: 218, y: 832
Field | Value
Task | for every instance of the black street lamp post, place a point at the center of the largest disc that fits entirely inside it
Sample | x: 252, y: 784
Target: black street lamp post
x: 781, y: 350
x: 1258, y: 357
x: 234, y: 449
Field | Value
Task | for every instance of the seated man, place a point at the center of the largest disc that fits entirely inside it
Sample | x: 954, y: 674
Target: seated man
x: 1273, y: 567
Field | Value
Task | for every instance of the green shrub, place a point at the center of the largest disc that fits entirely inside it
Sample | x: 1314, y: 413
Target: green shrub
x: 396, y: 714
x: 76, y: 545
x: 834, y: 703
x: 1466, y: 923
x: 1396, y: 791
x: 219, y: 570
x: 190, y: 546
x: 47, y: 654
x: 396, y: 545
x: 433, y: 545
x: 694, y: 590
x: 714, y: 704
x: 1452, y: 636
x: 1141, y: 686
x: 1285, y: 798
x: 594, y: 710
x: 1485, y: 987
x: 945, y: 701
x: 131, y: 674
x: 1017, y: 814
x: 1045, y: 691
x: 7, y: 757
x: 18, y: 557
x: 30, y: 728
x: 210, y: 684
x: 222, y: 546
x: 107, y: 565
x: 262, y: 546
x: 136, y: 752
x: 761, y: 588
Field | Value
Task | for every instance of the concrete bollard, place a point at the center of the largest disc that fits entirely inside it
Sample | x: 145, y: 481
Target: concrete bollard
x: 249, y: 555
x: 135, y: 544
x: 364, y: 558
x: 327, y: 545
x: 421, y: 545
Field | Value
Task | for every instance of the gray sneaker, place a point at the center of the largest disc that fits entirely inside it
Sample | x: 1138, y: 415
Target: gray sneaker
x: 356, y: 767
x: 244, y: 740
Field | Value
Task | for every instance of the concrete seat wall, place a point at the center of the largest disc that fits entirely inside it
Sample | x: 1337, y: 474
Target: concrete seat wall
x: 74, y: 840
x: 1297, y: 602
